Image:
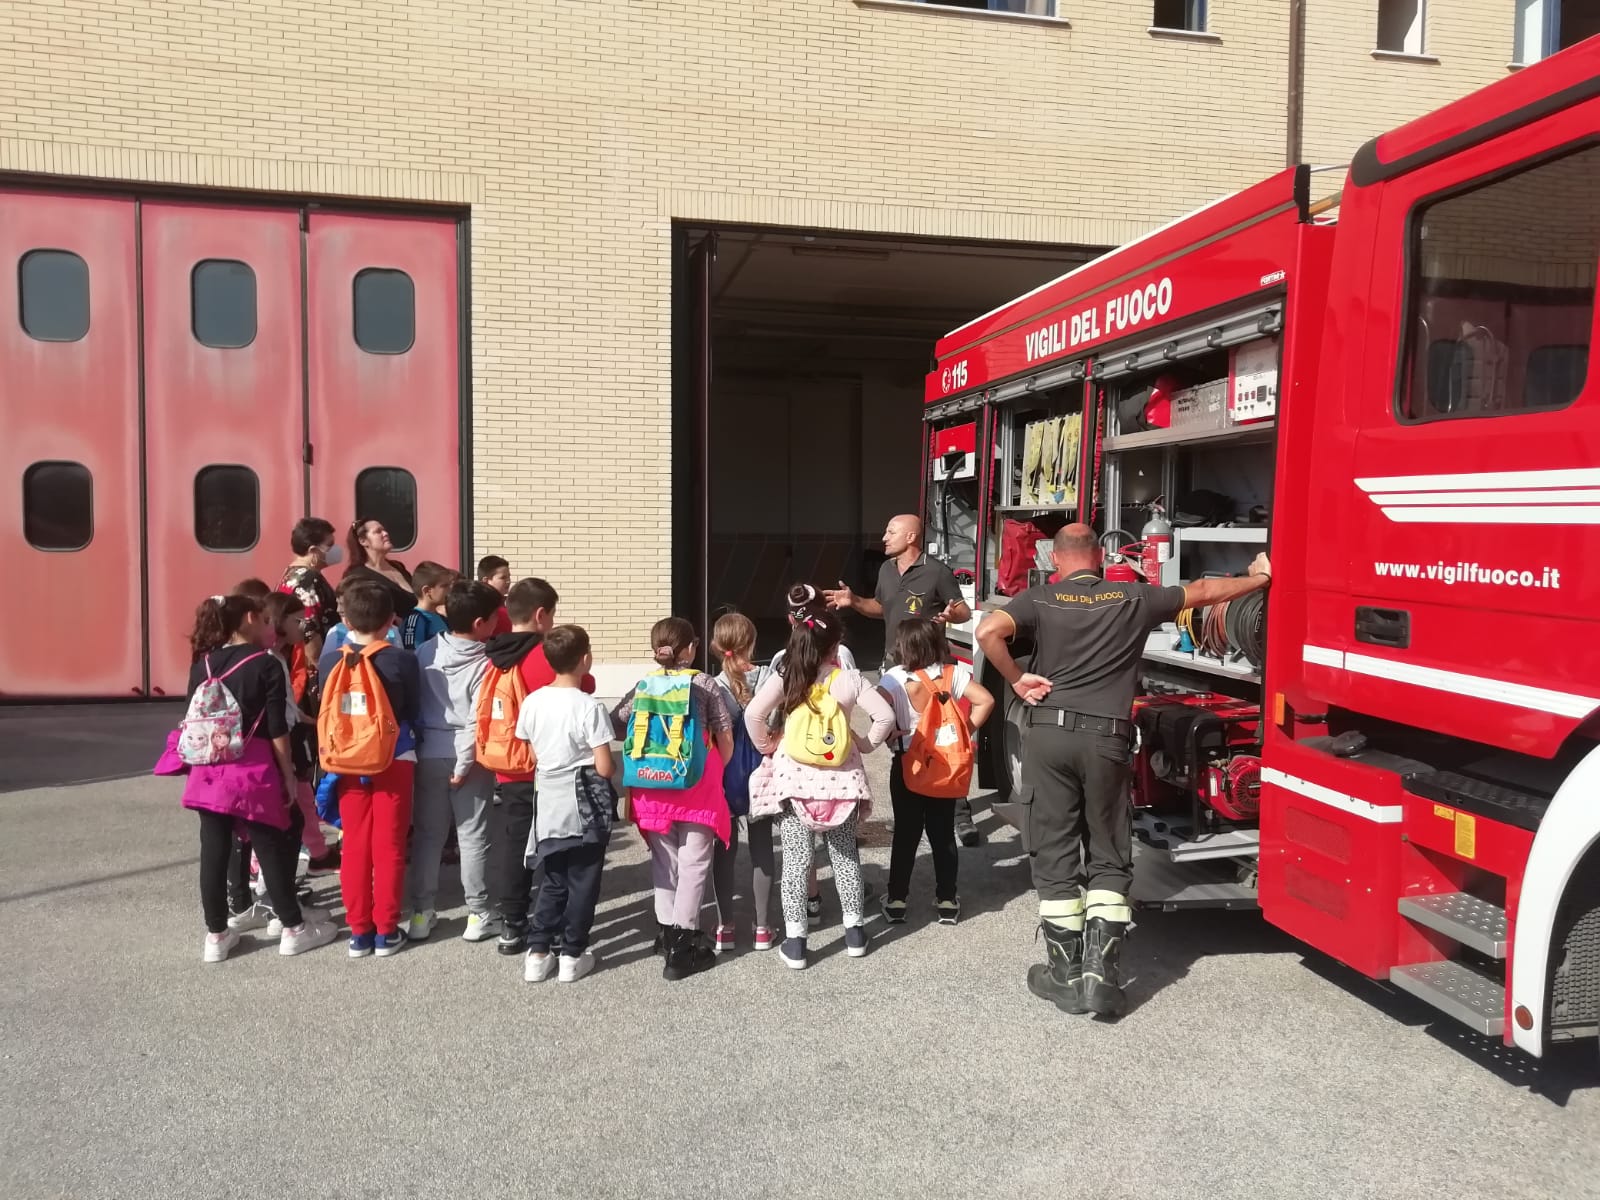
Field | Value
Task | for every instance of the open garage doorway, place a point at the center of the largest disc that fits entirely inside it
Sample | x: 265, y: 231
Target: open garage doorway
x: 799, y: 359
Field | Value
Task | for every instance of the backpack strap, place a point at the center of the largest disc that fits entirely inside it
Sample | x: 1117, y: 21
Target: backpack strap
x: 248, y: 658
x: 372, y: 648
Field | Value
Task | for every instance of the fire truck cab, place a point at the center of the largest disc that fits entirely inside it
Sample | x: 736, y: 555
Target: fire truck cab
x: 1395, y: 754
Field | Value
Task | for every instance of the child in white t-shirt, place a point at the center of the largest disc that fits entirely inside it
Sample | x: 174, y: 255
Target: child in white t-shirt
x: 570, y: 732
x: 920, y: 647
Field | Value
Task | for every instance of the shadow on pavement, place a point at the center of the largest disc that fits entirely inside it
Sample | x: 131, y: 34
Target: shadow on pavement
x: 60, y: 745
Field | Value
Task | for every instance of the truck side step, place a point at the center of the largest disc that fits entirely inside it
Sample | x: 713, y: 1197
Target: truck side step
x: 1456, y: 990
x: 1492, y: 800
x: 1467, y: 919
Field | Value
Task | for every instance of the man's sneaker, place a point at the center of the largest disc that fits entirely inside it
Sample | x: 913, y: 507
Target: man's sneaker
x: 308, y: 912
x: 855, y: 941
x: 574, y: 969
x: 949, y: 911
x: 536, y: 968
x: 814, y: 911
x: 257, y: 916
x: 481, y: 927
x: 362, y: 944
x: 725, y: 939
x: 218, y: 946
x: 324, y: 863
x: 421, y: 926
x: 766, y: 938
x: 513, y: 939
x: 388, y: 944
x: 793, y: 953
x: 894, y: 911
x: 313, y: 932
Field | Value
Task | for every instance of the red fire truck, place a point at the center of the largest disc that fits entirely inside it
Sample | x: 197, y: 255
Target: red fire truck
x: 1395, y: 756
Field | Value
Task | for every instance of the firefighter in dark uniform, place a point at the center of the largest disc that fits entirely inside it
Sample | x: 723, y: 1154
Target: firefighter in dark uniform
x: 1089, y: 635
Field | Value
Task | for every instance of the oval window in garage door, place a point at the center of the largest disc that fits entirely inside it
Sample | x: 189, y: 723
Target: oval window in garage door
x: 385, y: 303
x: 53, y: 287
x: 227, y: 508
x: 389, y: 495
x: 58, y: 506
x: 222, y: 300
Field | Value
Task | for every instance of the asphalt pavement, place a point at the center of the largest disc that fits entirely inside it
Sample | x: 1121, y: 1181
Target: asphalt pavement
x: 1249, y: 1067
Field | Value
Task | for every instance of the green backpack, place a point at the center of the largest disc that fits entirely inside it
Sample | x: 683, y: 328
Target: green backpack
x: 665, y: 746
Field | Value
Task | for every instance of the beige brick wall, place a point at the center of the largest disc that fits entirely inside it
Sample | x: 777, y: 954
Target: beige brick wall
x: 578, y: 130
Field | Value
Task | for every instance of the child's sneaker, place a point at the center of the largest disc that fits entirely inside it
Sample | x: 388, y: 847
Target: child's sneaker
x: 308, y: 912
x: 218, y: 946
x: 766, y: 938
x: 793, y: 953
x: 948, y: 911
x: 575, y: 968
x: 855, y: 941
x: 814, y: 911
x: 894, y: 911
x: 725, y: 940
x: 362, y: 944
x: 313, y: 932
x: 421, y: 926
x: 536, y: 968
x: 513, y: 938
x: 481, y: 927
x: 386, y: 945
x: 257, y: 916
x: 326, y: 862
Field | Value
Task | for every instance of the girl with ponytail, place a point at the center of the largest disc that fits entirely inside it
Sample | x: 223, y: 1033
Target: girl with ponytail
x: 815, y: 789
x: 251, y: 789
x: 682, y: 826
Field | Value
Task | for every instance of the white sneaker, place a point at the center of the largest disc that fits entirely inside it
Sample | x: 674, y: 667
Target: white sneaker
x: 574, y: 969
x: 218, y: 946
x: 309, y: 936
x: 481, y: 927
x: 257, y: 916
x: 536, y: 968
x: 308, y: 912
x: 421, y: 926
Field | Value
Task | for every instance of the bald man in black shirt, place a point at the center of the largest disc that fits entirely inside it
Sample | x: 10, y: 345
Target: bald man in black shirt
x: 1089, y: 636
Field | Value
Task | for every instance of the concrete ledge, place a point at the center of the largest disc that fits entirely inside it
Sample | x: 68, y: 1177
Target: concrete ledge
x: 981, y: 14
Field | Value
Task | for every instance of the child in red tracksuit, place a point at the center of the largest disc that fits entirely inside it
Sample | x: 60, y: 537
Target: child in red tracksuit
x: 375, y: 812
x: 531, y: 607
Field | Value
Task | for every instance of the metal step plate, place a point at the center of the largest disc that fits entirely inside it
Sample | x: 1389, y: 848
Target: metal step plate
x: 1160, y: 883
x: 1467, y: 919
x: 1455, y: 989
x: 1177, y: 840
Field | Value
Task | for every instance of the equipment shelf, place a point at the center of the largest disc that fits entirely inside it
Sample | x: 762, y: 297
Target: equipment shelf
x: 1155, y: 439
x: 1200, y: 662
x: 1038, y: 508
x: 1224, y: 533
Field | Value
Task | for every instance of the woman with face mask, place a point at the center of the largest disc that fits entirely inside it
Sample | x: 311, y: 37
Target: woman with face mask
x: 314, y: 548
x: 369, y: 546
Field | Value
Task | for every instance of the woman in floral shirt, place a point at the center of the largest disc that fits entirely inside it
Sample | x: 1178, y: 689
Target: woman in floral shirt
x: 314, y: 548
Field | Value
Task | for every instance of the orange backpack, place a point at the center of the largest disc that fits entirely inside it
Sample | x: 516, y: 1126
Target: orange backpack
x: 356, y: 727
x: 938, y: 761
x: 499, y: 701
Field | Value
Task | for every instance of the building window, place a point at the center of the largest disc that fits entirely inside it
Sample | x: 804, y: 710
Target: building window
x: 222, y: 300
x: 57, y: 506
x: 1502, y: 293
x: 227, y: 508
x: 1187, y: 15
x: 1400, y: 26
x: 385, y: 311
x: 53, y: 291
x: 1032, y: 8
x: 1543, y: 28
x: 388, y: 495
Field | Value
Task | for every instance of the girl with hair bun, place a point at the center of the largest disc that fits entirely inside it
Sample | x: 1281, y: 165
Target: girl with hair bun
x: 682, y: 826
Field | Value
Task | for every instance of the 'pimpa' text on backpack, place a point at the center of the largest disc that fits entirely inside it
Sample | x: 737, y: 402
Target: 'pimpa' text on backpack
x: 665, y: 746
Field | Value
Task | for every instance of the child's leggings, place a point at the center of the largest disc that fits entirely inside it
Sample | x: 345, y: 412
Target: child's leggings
x: 313, y: 838
x: 758, y: 832
x: 680, y: 866
x: 846, y: 859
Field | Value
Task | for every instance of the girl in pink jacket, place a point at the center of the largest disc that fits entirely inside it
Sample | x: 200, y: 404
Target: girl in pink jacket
x: 818, y: 787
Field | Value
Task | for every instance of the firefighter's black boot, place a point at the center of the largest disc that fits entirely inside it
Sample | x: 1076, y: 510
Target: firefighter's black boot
x: 1102, y: 973
x: 1059, y: 979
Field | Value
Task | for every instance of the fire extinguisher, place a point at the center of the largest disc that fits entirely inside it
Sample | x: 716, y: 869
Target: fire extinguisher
x: 1157, y: 538
x: 1117, y: 568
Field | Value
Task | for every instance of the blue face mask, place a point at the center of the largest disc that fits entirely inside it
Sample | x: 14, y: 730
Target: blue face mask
x: 333, y: 555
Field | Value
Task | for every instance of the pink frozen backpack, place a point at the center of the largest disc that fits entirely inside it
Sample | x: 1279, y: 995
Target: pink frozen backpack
x: 212, y: 731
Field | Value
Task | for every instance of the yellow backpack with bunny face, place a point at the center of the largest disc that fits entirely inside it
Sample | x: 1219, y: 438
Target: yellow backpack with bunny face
x: 818, y: 732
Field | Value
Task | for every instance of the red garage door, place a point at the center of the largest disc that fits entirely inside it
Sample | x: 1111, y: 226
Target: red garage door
x: 69, y: 447
x: 384, y: 356
x: 223, y: 410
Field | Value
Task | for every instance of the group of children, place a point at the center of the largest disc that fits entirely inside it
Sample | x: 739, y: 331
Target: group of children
x: 475, y: 716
